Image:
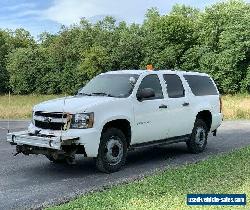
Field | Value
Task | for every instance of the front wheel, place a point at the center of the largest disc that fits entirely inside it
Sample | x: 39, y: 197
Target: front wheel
x: 198, y: 140
x: 112, y: 151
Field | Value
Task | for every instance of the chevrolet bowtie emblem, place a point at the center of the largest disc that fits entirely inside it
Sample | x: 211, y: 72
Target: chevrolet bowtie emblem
x: 47, y: 119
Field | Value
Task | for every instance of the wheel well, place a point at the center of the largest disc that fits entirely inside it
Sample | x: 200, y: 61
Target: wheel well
x: 123, y: 125
x: 206, y: 116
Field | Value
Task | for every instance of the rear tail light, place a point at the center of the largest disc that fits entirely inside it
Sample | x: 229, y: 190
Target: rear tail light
x: 220, y: 104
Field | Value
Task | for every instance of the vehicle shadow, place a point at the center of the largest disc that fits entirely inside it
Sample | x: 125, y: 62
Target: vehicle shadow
x: 140, y: 160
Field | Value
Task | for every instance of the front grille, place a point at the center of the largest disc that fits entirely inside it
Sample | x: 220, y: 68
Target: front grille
x: 50, y: 121
x: 49, y: 125
x: 51, y: 114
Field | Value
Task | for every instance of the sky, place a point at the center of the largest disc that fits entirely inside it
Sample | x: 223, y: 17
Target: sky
x: 38, y: 16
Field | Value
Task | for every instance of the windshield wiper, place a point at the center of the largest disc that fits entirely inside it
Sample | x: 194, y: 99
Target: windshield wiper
x: 102, y: 94
x: 84, y: 94
x: 95, y: 94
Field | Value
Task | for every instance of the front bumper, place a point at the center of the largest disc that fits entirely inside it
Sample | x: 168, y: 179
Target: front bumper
x: 45, y: 141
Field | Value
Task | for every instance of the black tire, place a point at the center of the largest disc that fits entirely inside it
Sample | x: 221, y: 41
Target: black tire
x: 198, y: 140
x: 112, y: 151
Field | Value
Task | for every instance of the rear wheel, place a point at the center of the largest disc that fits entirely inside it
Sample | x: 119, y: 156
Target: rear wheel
x: 112, y: 151
x: 198, y: 140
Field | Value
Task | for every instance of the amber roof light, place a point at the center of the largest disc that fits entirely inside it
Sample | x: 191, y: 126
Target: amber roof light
x: 150, y: 67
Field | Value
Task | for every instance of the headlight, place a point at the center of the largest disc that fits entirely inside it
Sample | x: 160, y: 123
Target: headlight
x: 82, y: 121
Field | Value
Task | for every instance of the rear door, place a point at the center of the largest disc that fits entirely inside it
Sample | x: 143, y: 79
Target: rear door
x: 179, y: 106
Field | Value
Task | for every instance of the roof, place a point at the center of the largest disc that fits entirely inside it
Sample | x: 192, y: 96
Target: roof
x: 126, y: 72
x: 156, y: 71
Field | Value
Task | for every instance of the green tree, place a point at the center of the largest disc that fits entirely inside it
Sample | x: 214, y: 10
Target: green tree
x: 4, y: 77
x: 215, y: 41
x: 95, y: 61
x: 127, y: 54
x: 224, y: 33
x: 27, y: 66
x: 9, y: 41
x: 168, y: 37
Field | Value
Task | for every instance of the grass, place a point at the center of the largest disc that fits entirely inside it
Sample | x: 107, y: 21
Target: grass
x: 228, y: 173
x: 20, y: 107
x: 234, y: 106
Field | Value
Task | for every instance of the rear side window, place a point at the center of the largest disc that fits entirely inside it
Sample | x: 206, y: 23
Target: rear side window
x: 152, y: 81
x: 201, y: 85
x: 174, y: 86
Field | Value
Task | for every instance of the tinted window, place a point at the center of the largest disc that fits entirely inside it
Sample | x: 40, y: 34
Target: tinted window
x: 152, y: 81
x: 116, y: 85
x: 174, y: 86
x: 201, y: 85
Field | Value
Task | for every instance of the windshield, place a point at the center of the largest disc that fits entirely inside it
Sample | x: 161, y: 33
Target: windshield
x: 112, y: 85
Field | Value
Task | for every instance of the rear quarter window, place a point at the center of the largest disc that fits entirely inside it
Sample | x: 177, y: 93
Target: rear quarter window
x: 201, y: 85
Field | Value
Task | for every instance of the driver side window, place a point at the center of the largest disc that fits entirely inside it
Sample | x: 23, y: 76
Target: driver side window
x: 152, y: 81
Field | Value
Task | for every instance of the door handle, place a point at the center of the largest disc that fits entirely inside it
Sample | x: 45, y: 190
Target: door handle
x: 163, y: 106
x: 185, y: 104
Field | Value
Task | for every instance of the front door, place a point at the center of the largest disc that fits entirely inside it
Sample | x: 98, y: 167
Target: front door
x: 150, y: 121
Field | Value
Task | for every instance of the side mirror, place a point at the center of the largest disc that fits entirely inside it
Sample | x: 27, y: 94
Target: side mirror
x: 77, y: 93
x: 145, y: 94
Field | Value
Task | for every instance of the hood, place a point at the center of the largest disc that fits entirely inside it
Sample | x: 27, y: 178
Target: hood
x: 72, y: 104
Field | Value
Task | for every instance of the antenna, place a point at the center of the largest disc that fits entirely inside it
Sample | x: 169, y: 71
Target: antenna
x: 64, y: 102
x: 8, y: 126
x: 9, y: 115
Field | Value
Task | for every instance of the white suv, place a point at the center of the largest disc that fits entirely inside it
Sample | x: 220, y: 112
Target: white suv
x: 123, y: 110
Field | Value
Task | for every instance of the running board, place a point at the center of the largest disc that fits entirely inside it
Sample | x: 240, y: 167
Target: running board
x: 161, y: 142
